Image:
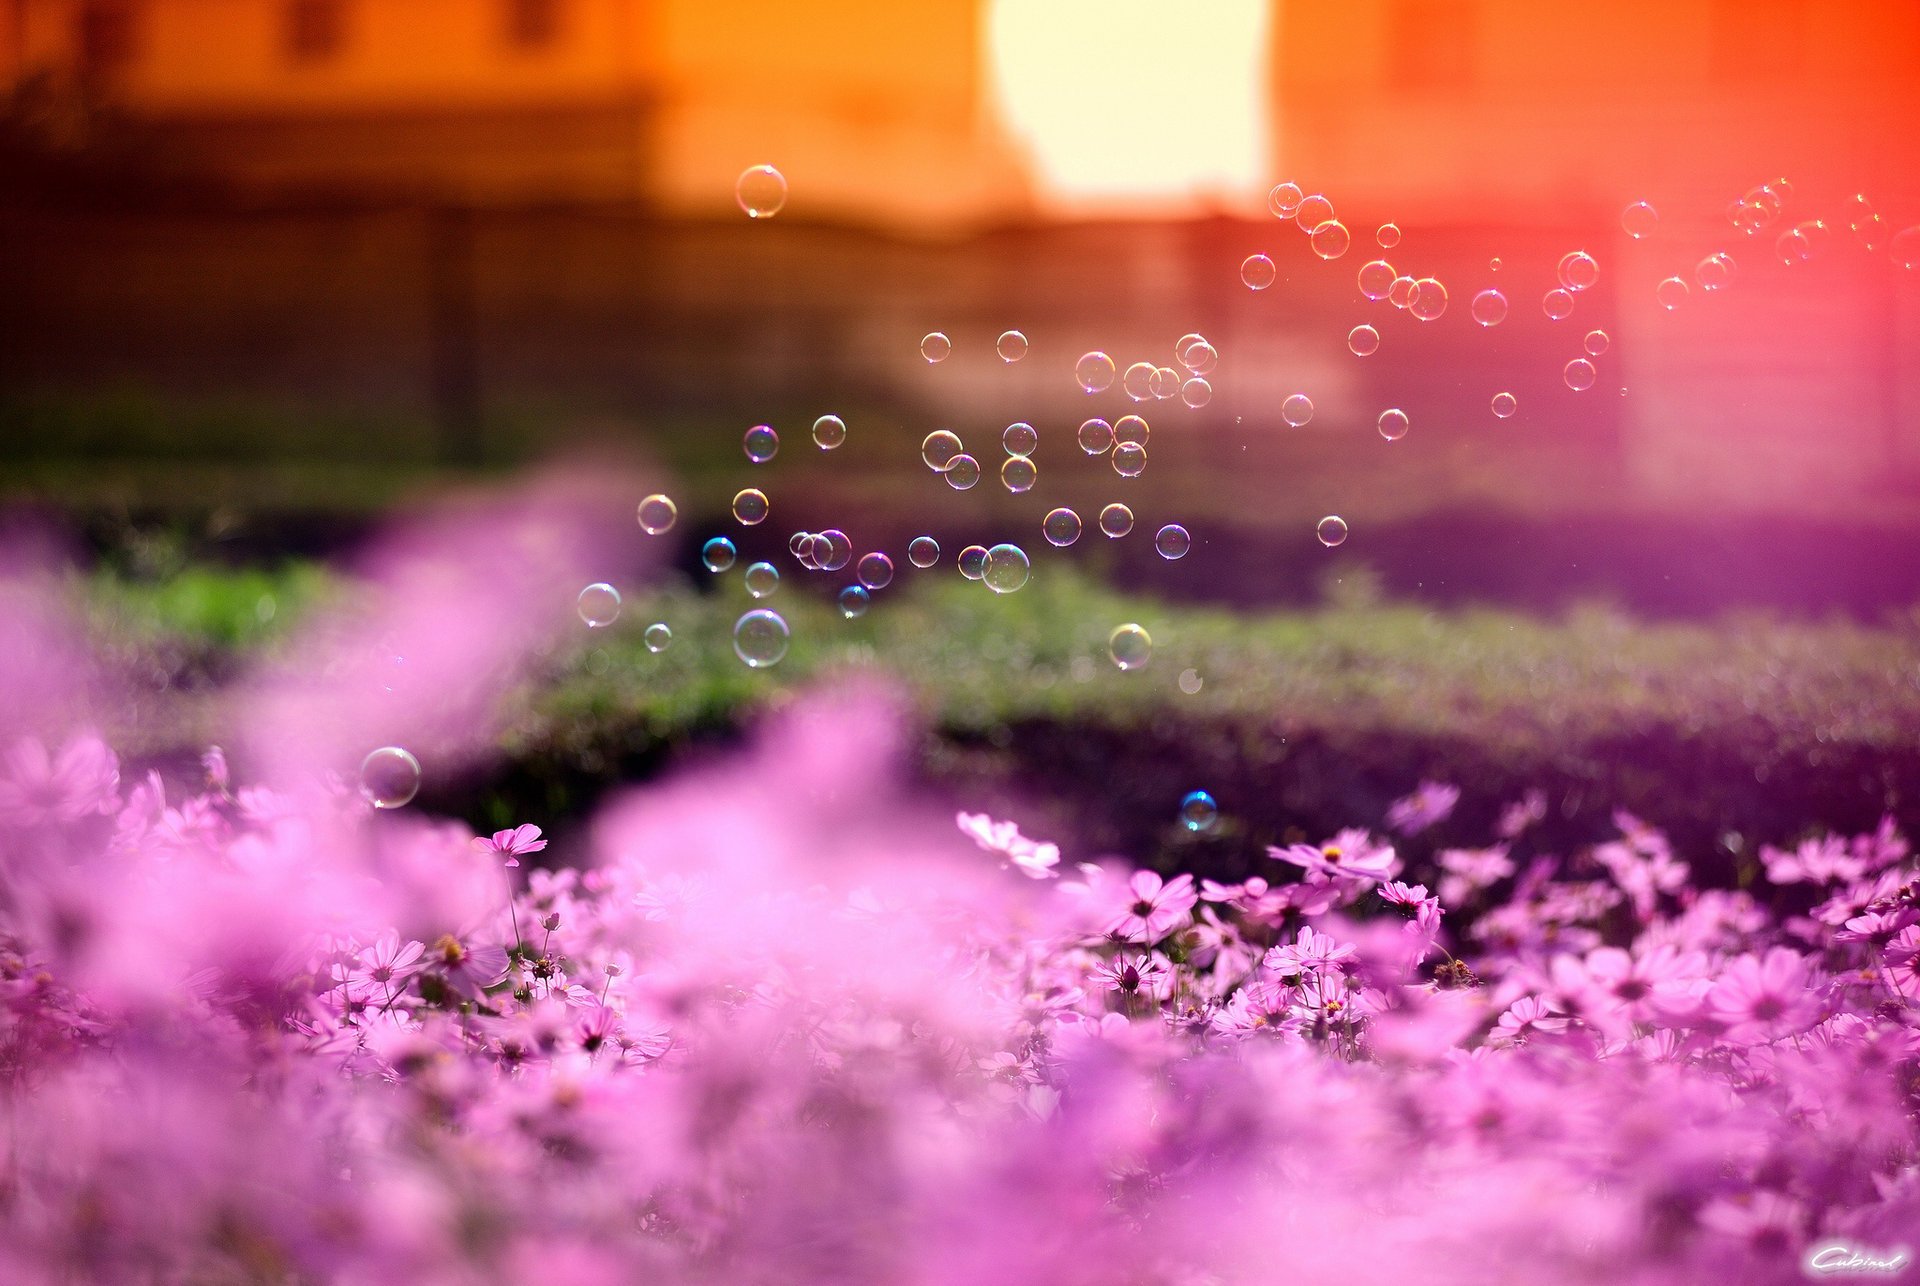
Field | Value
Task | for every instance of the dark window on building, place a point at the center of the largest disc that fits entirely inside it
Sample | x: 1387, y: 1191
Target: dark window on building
x: 316, y: 29
x: 1758, y: 43
x: 532, y: 24
x: 1430, y: 46
x: 107, y: 37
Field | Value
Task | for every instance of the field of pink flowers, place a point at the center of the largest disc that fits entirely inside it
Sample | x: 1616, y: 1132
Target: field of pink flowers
x: 774, y: 1020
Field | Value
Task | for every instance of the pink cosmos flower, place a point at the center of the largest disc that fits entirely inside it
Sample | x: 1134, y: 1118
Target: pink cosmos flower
x: 1430, y: 804
x: 1823, y: 860
x: 381, y: 970
x: 1468, y: 870
x: 1351, y: 853
x: 37, y: 788
x: 1616, y: 990
x: 1149, y: 909
x: 1310, y: 952
x: 1034, y: 860
x: 1763, y: 997
x: 1144, y: 974
x: 1519, y: 816
x: 1525, y: 1018
x: 512, y: 844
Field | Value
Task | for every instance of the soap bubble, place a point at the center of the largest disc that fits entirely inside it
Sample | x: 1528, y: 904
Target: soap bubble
x: 1096, y: 436
x: 829, y: 431
x: 761, y: 191
x: 1794, y: 246
x: 1019, y: 438
x: 961, y: 472
x: 939, y: 448
x: 1493, y: 264
x: 1258, y: 272
x: 1579, y: 375
x: 1116, y: 520
x: 1172, y: 541
x: 1364, y: 341
x: 853, y: 601
x: 1198, y: 812
x: 1429, y: 299
x: 1330, y: 239
x: 1131, y: 430
x: 1868, y: 228
x: 389, y: 777
x: 1137, y: 382
x: 1312, y: 212
x: 1129, y: 459
x: 762, y: 579
x: 1332, y: 530
x: 1388, y: 235
x: 1190, y: 681
x: 1557, y: 304
x: 1186, y: 352
x: 1489, y: 307
x: 1714, y: 271
x: 1596, y: 342
x: 1392, y: 424
x: 1400, y: 293
x: 1377, y: 278
x: 1094, y: 371
x: 923, y: 551
x: 1578, y: 270
x: 1297, y: 409
x: 598, y: 604
x: 801, y: 545
x: 658, y: 635
x: 750, y: 507
x: 1165, y: 382
x: 1284, y: 200
x: 760, y: 638
x: 1196, y: 392
x: 1061, y: 526
x: 761, y: 443
x: 973, y: 561
x: 934, y: 346
x: 1130, y: 646
x: 718, y: 554
x: 875, y: 570
x: 1012, y: 346
x: 838, y: 551
x: 1905, y: 248
x: 1018, y: 474
x: 1006, y: 568
x: 1639, y: 219
x: 1671, y: 293
x: 1504, y: 404
x: 657, y: 514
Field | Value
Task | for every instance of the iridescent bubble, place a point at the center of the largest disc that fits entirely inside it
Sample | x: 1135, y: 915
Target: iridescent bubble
x: 1493, y: 264
x: 1012, y: 346
x: 1388, y: 235
x: 1284, y: 200
x: 1061, y: 527
x: 1172, y: 542
x: 761, y: 191
x: 853, y: 601
x: 1392, y: 424
x: 1332, y: 530
x: 1297, y: 409
x: 934, y: 346
x: 1579, y: 375
x: 801, y: 546
x: 1400, y: 293
x: 389, y: 777
x: 1258, y: 272
x: 875, y: 570
x: 1905, y: 248
x: 1429, y: 299
x: 1671, y: 293
x: 1363, y: 341
x: 1312, y: 212
x: 761, y: 443
x: 1714, y: 271
x: 829, y: 431
x: 762, y: 579
x: 1019, y: 438
x: 1330, y: 239
x: 718, y: 554
x: 1094, y: 371
x: 1504, y: 404
x: 657, y: 513
x: 1096, y: 436
x: 658, y: 636
x: 1018, y: 474
x: 1557, y: 304
x: 1130, y: 646
x: 1578, y: 270
x: 1129, y: 459
x: 760, y: 637
x: 1200, y: 358
x: 1182, y: 347
x: 1006, y: 568
x: 1190, y: 681
x: 750, y: 507
x: 1597, y: 342
x: 1198, y: 812
x: 598, y: 604
x: 1196, y: 392
x: 1165, y: 382
x: 923, y: 551
x: 838, y: 551
x: 1137, y: 382
x: 1489, y: 307
x: 1868, y: 228
x: 961, y: 472
x: 939, y: 448
x: 1793, y: 246
x: 1639, y: 220
x: 1116, y: 520
x: 1377, y: 278
x: 1131, y: 430
x: 973, y: 561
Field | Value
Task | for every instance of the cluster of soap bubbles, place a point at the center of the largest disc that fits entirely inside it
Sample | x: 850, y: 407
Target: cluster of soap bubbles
x: 1312, y: 214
